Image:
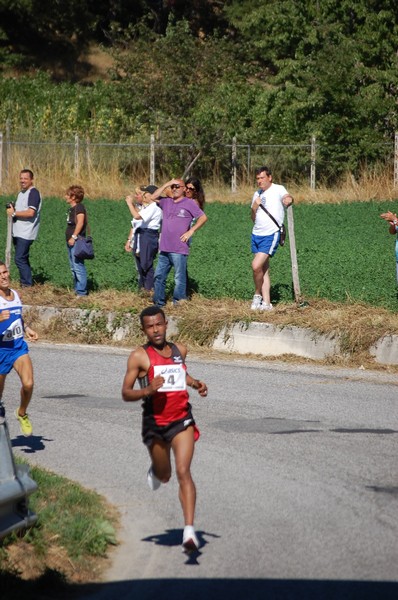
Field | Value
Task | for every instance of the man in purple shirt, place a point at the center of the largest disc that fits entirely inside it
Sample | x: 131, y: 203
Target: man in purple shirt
x: 181, y: 218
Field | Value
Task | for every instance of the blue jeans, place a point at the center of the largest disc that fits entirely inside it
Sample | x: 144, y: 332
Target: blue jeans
x: 78, y: 271
x: 166, y: 261
x: 21, y: 258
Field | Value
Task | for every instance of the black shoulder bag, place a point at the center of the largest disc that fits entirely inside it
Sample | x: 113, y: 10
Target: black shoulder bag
x: 282, y: 228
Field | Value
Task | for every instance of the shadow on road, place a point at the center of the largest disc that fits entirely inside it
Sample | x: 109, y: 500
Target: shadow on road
x: 173, y: 537
x: 31, y: 444
x: 51, y: 586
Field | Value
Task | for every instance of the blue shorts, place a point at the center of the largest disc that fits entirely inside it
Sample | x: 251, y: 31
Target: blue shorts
x: 267, y: 244
x: 8, y: 356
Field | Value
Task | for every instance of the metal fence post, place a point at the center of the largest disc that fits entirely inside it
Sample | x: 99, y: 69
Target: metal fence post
x: 88, y: 154
x: 8, y: 147
x: 76, y: 157
x: 396, y: 160
x: 313, y: 163
x: 1, y: 159
x: 233, y: 179
x: 152, y: 160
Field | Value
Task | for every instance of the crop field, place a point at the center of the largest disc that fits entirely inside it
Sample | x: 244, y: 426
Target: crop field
x: 344, y: 251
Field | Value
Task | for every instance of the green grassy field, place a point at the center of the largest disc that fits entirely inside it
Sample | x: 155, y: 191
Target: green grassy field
x: 345, y: 252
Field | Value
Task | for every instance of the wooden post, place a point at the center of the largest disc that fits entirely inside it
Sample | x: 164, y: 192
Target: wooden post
x: 313, y: 157
x: 191, y: 164
x: 152, y: 161
x: 76, y: 155
x: 8, y: 243
x: 8, y: 148
x: 1, y: 159
x: 233, y: 181
x: 293, y: 255
x: 7, y: 258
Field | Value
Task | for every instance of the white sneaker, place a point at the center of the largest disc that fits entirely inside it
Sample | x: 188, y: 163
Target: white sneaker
x: 153, y: 482
x: 256, y: 302
x: 266, y: 306
x: 190, y: 542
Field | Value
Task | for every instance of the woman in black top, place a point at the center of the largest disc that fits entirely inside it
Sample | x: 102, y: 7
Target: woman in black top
x: 76, y: 225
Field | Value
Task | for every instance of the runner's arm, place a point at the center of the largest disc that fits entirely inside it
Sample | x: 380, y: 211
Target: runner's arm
x: 137, y: 363
x: 31, y: 334
x: 198, y: 385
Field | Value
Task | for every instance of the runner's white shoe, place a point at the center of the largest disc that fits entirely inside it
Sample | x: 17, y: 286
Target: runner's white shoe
x: 153, y: 481
x: 256, y: 302
x: 190, y: 542
x: 266, y: 307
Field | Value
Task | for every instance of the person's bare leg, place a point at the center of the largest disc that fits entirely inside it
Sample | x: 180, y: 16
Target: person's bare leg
x: 266, y: 287
x: 2, y: 382
x: 23, y: 366
x: 260, y: 265
x: 183, y: 448
x: 160, y: 456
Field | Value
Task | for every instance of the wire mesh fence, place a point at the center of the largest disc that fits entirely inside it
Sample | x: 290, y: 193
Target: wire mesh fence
x: 155, y: 161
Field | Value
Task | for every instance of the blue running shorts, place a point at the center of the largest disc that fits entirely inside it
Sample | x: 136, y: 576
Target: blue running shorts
x: 267, y: 244
x: 8, y: 356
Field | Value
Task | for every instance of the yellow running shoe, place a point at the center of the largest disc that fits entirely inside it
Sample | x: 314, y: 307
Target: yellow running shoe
x: 25, y: 424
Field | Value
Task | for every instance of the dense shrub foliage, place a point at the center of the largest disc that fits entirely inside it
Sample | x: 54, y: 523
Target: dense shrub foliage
x: 201, y: 72
x: 344, y: 252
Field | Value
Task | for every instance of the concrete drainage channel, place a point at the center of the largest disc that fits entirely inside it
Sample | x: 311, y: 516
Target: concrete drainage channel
x: 263, y: 339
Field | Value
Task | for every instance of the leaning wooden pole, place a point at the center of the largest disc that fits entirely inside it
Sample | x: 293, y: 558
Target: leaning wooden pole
x: 8, y: 243
x: 293, y: 255
x: 191, y: 164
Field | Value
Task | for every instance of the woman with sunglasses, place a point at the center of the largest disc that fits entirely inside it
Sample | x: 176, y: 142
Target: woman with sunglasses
x: 194, y: 190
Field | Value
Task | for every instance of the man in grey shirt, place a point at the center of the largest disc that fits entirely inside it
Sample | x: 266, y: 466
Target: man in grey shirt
x: 25, y: 227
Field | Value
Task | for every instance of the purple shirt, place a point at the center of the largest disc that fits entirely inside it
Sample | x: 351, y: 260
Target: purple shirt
x: 177, y: 219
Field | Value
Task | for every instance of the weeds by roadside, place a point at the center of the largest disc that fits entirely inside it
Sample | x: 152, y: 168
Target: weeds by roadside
x: 201, y: 319
x: 71, y: 537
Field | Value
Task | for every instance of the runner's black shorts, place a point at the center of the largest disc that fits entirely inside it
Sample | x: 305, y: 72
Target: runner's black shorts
x: 151, y: 430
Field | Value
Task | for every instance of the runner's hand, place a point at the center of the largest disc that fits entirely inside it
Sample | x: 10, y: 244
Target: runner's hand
x: 202, y: 389
x: 32, y: 335
x: 156, y: 383
x: 4, y: 315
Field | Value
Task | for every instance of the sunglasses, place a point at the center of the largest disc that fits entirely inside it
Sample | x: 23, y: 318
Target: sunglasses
x: 175, y: 186
x: 190, y: 189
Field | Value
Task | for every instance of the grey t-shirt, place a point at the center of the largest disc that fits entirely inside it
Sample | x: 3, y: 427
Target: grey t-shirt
x: 27, y: 228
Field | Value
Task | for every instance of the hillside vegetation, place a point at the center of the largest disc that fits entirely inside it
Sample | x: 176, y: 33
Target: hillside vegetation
x: 200, y: 73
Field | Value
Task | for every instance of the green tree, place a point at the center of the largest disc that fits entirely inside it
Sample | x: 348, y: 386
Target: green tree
x: 328, y: 68
x: 162, y: 78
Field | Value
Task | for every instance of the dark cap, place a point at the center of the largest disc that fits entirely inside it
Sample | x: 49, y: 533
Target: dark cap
x: 151, y: 189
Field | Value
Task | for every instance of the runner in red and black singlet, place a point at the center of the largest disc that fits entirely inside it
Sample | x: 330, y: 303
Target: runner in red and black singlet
x: 168, y: 424
x: 167, y: 412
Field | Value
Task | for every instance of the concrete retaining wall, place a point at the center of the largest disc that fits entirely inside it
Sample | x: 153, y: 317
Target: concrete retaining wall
x: 269, y: 340
x: 263, y: 339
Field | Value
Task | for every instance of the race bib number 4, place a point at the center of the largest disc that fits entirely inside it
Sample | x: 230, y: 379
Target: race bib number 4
x: 174, y: 377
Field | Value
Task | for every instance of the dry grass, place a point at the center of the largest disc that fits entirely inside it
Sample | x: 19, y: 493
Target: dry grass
x: 370, y: 185
x: 200, y: 320
x: 104, y: 180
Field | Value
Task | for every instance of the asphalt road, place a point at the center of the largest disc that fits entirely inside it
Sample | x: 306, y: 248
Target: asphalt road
x: 296, y: 472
